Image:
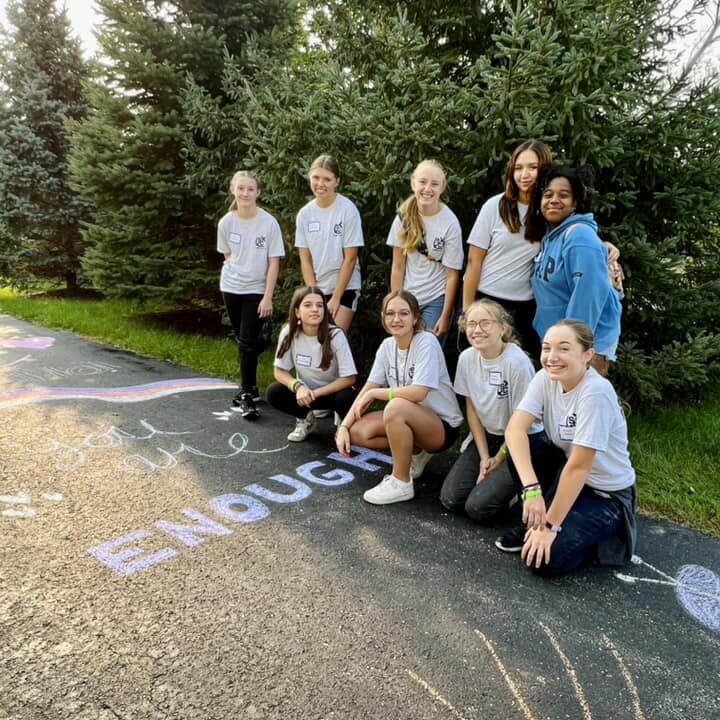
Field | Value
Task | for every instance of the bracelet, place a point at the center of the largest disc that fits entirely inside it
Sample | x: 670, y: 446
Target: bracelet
x: 502, y: 451
x: 294, y: 385
x: 532, y: 493
x: 390, y: 394
x: 553, y: 528
x: 343, y: 426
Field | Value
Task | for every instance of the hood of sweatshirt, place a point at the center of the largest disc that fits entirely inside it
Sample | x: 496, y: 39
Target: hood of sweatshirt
x: 582, y: 218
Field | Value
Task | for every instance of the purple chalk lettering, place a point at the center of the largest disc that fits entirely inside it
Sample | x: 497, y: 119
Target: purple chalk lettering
x: 255, y: 511
x: 359, y: 460
x: 117, y: 561
x: 301, y: 490
x: 329, y: 479
x: 187, y: 534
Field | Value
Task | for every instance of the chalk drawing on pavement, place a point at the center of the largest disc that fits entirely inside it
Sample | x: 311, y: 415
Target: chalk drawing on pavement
x: 43, y: 374
x: 23, y: 359
x: 129, y: 394
x: 24, y: 501
x: 223, y: 416
x: 697, y: 589
x: 70, y: 457
x: 27, y: 343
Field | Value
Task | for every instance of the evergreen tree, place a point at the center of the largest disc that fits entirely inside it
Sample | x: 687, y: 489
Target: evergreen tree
x: 40, y: 87
x: 466, y: 82
x: 151, y: 235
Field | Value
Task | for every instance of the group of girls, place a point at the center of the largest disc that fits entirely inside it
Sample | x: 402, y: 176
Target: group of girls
x: 557, y: 440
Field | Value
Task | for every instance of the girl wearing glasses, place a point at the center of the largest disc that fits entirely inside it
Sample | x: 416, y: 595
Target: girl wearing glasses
x: 427, y: 248
x: 492, y: 374
x: 421, y: 415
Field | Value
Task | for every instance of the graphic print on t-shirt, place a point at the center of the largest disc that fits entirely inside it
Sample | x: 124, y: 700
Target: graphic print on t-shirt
x: 567, y: 429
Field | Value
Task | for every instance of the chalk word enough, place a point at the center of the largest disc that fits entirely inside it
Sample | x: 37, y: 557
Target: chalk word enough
x: 125, y: 557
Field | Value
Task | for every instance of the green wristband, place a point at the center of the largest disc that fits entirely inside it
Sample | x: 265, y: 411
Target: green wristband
x: 390, y: 394
x: 528, y: 494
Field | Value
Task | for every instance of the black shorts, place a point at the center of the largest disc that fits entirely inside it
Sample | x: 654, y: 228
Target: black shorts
x: 348, y: 300
x: 451, y: 435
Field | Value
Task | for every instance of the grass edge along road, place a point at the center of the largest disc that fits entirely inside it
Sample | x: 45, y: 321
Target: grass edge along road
x: 674, y: 450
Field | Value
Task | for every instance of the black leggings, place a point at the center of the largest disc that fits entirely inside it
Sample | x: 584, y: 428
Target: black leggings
x: 243, y: 313
x: 280, y: 397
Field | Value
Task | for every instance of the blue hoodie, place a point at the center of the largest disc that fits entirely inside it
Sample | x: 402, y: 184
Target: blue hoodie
x: 570, y: 280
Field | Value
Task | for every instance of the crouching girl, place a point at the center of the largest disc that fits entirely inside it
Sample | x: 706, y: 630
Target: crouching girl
x: 323, y: 363
x: 421, y: 415
x: 590, y: 513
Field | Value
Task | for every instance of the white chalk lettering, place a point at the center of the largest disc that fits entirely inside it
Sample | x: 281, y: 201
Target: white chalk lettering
x: 301, y: 490
x: 329, y: 479
x: 360, y: 460
x: 188, y: 534
x: 255, y: 510
x: 117, y: 561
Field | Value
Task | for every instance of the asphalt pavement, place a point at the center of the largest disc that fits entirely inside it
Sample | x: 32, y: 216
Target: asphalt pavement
x: 162, y: 558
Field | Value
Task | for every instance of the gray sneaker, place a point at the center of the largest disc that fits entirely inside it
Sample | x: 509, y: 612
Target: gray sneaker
x: 303, y: 427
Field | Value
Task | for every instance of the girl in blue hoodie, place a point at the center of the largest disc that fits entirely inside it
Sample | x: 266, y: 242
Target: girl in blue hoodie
x: 570, y: 279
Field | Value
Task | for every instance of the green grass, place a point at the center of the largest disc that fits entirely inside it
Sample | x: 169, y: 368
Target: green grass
x: 675, y: 451
x: 118, y: 323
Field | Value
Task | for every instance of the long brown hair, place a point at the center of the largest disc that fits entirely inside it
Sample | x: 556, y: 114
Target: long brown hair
x: 413, y: 304
x: 412, y: 230
x: 534, y: 230
x: 326, y: 331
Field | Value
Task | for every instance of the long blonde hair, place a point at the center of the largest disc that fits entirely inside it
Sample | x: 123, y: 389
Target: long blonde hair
x: 240, y: 175
x: 412, y: 231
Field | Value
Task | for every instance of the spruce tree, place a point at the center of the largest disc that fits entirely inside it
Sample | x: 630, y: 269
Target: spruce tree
x: 40, y: 88
x: 151, y: 235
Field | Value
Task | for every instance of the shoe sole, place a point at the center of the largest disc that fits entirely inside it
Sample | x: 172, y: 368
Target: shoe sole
x: 388, y: 501
x: 513, y: 550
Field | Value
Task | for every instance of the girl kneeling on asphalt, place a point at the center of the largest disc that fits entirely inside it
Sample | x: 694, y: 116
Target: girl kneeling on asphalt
x: 492, y: 374
x: 322, y: 359
x: 421, y: 415
x: 590, y: 513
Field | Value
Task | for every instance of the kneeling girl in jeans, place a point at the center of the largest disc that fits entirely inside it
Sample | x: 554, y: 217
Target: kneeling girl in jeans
x: 492, y: 374
x: 323, y: 362
x: 590, y: 513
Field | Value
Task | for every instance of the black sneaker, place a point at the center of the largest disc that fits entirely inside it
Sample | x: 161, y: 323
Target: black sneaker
x: 246, y: 407
x: 255, y: 392
x: 512, y: 541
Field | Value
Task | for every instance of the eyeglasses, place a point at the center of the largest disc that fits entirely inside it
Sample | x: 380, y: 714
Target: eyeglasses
x: 402, y: 314
x: 482, y: 324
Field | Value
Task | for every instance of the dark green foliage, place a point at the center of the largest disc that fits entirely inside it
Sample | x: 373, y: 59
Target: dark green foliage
x: 153, y: 234
x: 390, y: 84
x: 40, y: 87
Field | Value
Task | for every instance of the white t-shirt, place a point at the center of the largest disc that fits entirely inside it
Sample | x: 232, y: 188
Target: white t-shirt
x: 251, y: 243
x: 326, y: 232
x: 590, y: 416
x: 423, y: 363
x: 425, y: 276
x: 305, y: 355
x: 508, y: 264
x: 495, y: 386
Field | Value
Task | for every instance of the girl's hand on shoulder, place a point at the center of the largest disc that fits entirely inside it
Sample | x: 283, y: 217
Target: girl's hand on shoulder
x: 265, y: 308
x: 534, y: 512
x: 342, y: 440
x: 536, y: 549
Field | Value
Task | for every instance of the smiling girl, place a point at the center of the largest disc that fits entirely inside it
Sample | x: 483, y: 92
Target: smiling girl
x: 251, y: 241
x: 571, y: 271
x: 427, y: 248
x: 328, y: 235
x: 590, y: 513
x: 324, y: 366
x: 492, y: 374
x: 421, y: 414
x: 502, y: 248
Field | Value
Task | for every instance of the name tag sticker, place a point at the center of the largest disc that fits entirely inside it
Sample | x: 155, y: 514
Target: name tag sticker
x: 314, y: 227
x: 235, y: 237
x: 303, y: 360
x: 566, y: 432
x: 495, y: 377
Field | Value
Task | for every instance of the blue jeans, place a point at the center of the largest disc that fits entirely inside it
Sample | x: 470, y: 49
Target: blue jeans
x: 591, y: 520
x: 431, y: 313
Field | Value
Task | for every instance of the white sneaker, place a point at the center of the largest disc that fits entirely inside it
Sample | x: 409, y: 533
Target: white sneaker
x: 322, y: 413
x: 303, y: 427
x: 390, y: 490
x: 418, y: 463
